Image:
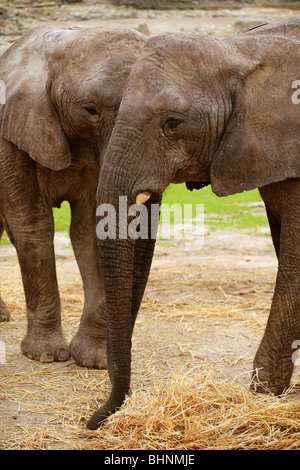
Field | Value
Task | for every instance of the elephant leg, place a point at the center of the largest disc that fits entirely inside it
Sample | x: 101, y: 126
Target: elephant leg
x: 29, y: 222
x: 33, y: 241
x: 88, y: 347
x: 4, y: 311
x: 273, y: 364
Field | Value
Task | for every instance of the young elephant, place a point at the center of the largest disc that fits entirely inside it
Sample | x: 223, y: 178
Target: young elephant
x: 63, y: 88
x: 207, y: 110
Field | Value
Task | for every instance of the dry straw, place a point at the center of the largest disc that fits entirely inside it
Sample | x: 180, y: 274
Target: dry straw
x: 202, y: 412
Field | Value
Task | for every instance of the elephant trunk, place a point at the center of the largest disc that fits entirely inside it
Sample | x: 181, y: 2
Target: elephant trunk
x: 118, y: 288
x: 125, y: 263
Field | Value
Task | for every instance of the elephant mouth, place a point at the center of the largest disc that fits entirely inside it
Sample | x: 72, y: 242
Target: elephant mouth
x: 191, y: 185
x: 143, y: 196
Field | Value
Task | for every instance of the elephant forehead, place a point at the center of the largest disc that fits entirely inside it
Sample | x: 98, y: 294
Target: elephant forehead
x: 103, y: 77
x: 164, y: 80
x: 175, y: 52
x: 92, y: 49
x: 169, y: 98
x: 104, y: 87
x: 153, y: 86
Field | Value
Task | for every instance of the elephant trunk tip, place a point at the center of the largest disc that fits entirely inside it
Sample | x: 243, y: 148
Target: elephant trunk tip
x: 100, y: 416
x: 97, y: 419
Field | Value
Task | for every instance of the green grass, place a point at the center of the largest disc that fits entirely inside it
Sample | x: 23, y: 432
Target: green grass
x: 62, y: 217
x: 241, y: 211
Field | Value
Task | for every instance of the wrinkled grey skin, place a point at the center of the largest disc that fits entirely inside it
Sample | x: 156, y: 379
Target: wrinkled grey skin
x: 207, y: 110
x: 63, y: 90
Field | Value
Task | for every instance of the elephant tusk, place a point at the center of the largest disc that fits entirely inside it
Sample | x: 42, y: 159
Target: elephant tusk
x: 143, y: 197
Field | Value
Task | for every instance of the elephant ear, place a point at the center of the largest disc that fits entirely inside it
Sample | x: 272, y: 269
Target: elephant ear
x: 27, y: 118
x: 261, y: 142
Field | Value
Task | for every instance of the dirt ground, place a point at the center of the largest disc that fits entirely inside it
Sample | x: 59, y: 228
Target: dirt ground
x: 204, y: 308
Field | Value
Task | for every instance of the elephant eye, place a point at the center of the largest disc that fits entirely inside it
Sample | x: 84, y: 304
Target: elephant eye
x: 170, y: 125
x: 91, y: 110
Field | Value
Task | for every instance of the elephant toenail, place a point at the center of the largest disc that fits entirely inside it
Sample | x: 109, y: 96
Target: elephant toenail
x: 88, y: 363
x: 46, y: 357
x: 63, y: 355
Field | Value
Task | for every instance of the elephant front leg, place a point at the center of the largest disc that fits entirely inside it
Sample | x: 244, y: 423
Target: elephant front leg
x: 28, y: 221
x: 274, y: 360
x: 33, y: 240
x: 88, y: 347
x: 273, y: 363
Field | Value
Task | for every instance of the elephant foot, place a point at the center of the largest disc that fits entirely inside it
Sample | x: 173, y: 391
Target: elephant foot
x: 271, y: 375
x: 4, y: 312
x: 50, y: 349
x: 262, y: 383
x: 89, y: 350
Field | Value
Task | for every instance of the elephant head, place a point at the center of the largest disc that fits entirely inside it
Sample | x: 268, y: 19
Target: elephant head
x: 197, y: 110
x: 63, y: 88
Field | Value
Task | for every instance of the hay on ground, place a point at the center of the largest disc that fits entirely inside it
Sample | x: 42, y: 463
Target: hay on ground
x: 201, y: 412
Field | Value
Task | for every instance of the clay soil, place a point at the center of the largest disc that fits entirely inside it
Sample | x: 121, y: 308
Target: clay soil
x: 205, y: 307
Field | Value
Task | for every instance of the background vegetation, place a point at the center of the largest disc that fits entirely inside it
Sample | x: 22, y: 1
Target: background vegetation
x: 241, y: 211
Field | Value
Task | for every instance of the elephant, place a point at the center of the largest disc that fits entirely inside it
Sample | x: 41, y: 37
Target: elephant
x: 63, y: 87
x: 205, y: 110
